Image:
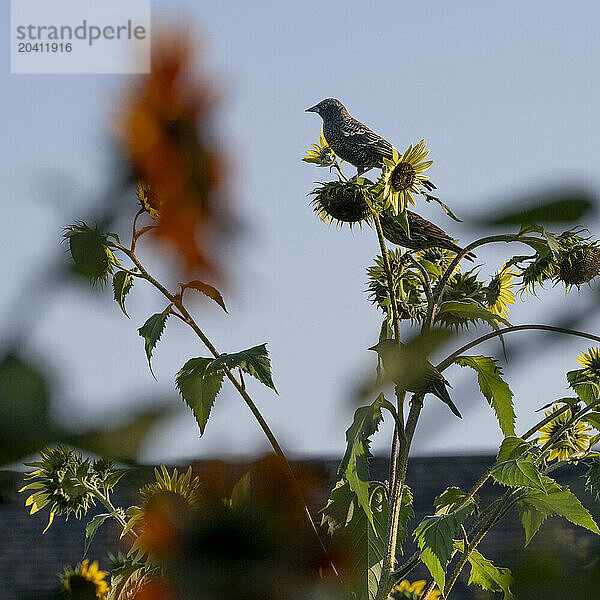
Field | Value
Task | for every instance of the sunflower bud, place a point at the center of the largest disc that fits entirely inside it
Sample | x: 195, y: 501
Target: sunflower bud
x: 344, y: 201
x: 92, y: 256
x: 580, y: 265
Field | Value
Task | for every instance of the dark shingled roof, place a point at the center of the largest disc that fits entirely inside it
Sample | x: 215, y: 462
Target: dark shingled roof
x: 30, y: 561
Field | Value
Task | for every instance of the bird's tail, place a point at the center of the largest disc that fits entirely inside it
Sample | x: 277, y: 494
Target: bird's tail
x: 439, y: 389
x: 449, y: 245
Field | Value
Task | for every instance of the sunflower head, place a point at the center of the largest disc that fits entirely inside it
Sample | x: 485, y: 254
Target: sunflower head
x: 579, y: 265
x: 590, y: 361
x: 149, y: 199
x: 91, y: 254
x: 461, y: 287
x: 402, y: 177
x: 320, y: 154
x: 85, y: 581
x: 405, y: 590
x: 342, y: 201
x: 440, y: 257
x: 63, y: 480
x: 573, y: 440
x: 499, y: 294
x: 166, y: 502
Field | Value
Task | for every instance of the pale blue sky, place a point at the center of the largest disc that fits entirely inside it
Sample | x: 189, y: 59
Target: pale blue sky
x: 507, y: 96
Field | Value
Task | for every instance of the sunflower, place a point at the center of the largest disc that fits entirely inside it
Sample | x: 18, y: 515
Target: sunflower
x: 85, y: 576
x: 402, y: 176
x: 405, y: 590
x: 574, y: 439
x: 590, y: 361
x: 170, y: 494
x: 149, y: 200
x: 342, y: 201
x: 321, y: 154
x: 499, y: 292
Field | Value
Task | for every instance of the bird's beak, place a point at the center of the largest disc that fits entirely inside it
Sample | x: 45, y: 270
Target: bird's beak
x: 312, y: 109
x: 375, y: 348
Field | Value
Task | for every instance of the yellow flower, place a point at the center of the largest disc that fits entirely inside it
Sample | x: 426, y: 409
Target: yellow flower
x: 590, y: 361
x: 402, y: 176
x: 499, y: 292
x: 412, y: 591
x: 148, y: 199
x: 83, y: 576
x: 321, y: 154
x: 574, y: 439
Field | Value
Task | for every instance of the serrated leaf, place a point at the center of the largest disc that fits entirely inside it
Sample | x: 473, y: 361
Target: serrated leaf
x: 122, y: 284
x: 435, y: 538
x: 127, y: 577
x: 521, y: 472
x: 207, y: 289
x: 560, y: 501
x: 338, y: 511
x: 254, y: 361
x: 406, y: 513
x: 91, y: 528
x: 198, y: 388
x: 494, y: 388
x: 486, y: 575
x: 473, y: 311
x: 451, y: 499
x: 151, y: 331
x: 355, y: 463
x: 531, y: 519
x: 511, y: 448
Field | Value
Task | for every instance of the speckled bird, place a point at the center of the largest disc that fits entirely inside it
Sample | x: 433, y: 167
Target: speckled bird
x: 429, y: 381
x: 351, y: 140
x: 423, y: 234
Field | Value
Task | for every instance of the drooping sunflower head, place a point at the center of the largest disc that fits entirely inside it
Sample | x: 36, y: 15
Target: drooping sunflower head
x: 85, y: 580
x: 440, y: 257
x: 590, y: 361
x: 149, y: 199
x: 579, y: 265
x: 571, y: 441
x: 166, y: 501
x: 499, y: 294
x: 62, y: 481
x: 321, y: 154
x: 402, y: 177
x: 461, y: 287
x: 342, y: 201
x: 405, y: 590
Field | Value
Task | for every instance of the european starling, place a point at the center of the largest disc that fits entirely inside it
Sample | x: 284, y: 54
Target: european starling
x: 423, y: 234
x: 351, y: 140
x: 427, y: 380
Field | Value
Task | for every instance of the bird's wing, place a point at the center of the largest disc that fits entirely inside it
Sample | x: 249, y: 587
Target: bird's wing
x: 362, y: 135
x: 422, y: 226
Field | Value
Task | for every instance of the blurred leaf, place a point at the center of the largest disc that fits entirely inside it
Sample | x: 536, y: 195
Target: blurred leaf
x: 254, y: 361
x: 122, y: 284
x: 521, y: 472
x: 199, y: 388
x: 487, y: 575
x: 240, y: 495
x: 435, y: 538
x: 355, y: 463
x: 494, y: 388
x: 451, y: 499
x: 445, y: 207
x: 560, y: 501
x: 91, y: 528
x: 151, y: 331
x: 125, y: 579
x: 512, y: 447
x: 552, y: 207
x: 592, y: 479
x: 207, y: 290
x: 25, y: 424
x: 471, y: 310
x: 531, y: 519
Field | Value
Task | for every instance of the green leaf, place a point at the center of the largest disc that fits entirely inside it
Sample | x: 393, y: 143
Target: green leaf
x: 338, y: 511
x: 240, y: 495
x: 355, y: 466
x: 207, y: 289
x: 445, y: 207
x: 122, y: 284
x: 593, y: 418
x: 474, y: 311
x: 560, y: 501
x: 494, y: 388
x: 586, y: 389
x: 531, y: 519
x: 199, y: 388
x: 520, y: 472
x: 151, y: 331
x: 592, y: 479
x: 406, y: 513
x: 512, y: 447
x: 435, y: 538
x: 91, y: 528
x: 254, y: 361
x: 451, y: 499
x: 126, y: 577
x: 557, y: 207
x: 486, y: 575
